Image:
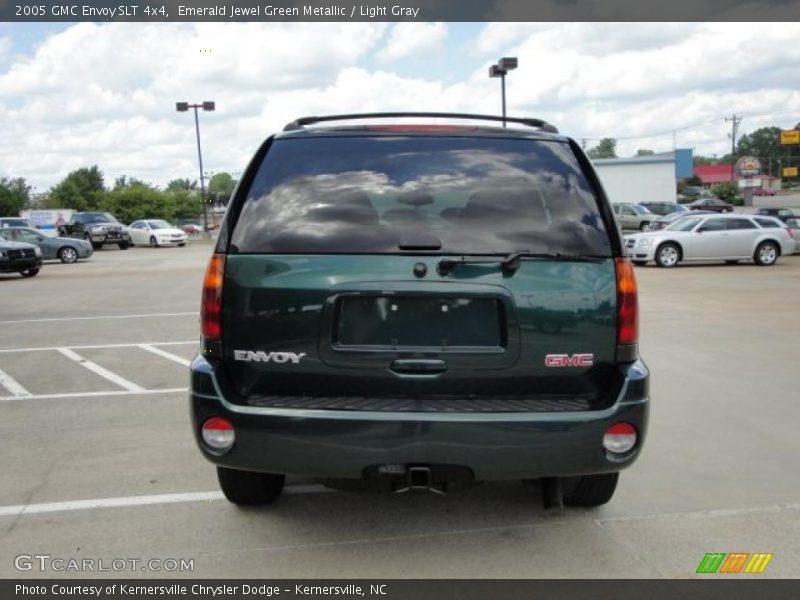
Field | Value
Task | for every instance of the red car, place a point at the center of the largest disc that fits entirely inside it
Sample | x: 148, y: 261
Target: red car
x: 191, y: 228
x: 762, y: 191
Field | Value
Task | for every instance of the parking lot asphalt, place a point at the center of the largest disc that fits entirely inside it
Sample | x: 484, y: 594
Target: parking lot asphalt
x: 99, y: 461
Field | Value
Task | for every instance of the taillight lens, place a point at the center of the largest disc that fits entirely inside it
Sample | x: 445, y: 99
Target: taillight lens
x: 218, y: 433
x: 627, y: 304
x: 620, y: 438
x: 211, y: 306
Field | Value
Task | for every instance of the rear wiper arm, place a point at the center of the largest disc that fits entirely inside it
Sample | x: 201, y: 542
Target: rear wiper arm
x: 511, y: 261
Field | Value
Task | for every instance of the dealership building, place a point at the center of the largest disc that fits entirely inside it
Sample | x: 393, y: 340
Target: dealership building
x: 650, y: 178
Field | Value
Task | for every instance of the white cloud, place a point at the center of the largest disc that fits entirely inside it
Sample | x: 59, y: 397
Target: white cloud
x: 105, y: 94
x: 5, y: 47
x: 413, y: 39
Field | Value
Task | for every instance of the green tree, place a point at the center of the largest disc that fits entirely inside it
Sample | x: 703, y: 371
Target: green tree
x: 187, y: 185
x: 82, y: 189
x: 694, y: 180
x: 14, y: 196
x: 765, y: 145
x: 136, y: 201
x: 221, y: 186
x: 702, y: 161
x: 606, y: 148
x: 186, y: 205
x: 728, y: 192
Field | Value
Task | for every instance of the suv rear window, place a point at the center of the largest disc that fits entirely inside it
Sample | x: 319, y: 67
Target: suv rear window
x: 367, y: 194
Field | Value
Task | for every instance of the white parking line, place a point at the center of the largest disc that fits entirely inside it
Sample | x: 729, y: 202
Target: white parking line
x: 13, y: 386
x: 102, y: 371
x: 164, y: 354
x: 96, y: 346
x: 51, y: 507
x: 97, y: 318
x: 92, y: 394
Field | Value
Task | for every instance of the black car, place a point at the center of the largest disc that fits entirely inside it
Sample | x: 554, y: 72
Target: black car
x: 712, y: 204
x: 16, y: 257
x: 97, y: 228
x: 421, y: 307
x: 664, y: 208
x: 784, y: 214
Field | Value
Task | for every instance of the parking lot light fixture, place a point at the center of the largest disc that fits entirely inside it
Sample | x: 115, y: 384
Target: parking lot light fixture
x: 207, y: 105
x: 501, y: 69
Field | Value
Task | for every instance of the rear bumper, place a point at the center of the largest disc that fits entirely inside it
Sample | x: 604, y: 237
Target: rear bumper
x: 325, y: 443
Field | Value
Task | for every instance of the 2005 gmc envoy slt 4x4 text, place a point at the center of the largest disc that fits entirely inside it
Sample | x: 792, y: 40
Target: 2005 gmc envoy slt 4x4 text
x: 419, y: 306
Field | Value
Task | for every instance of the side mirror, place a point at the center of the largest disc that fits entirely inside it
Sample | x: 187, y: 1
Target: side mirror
x: 702, y: 229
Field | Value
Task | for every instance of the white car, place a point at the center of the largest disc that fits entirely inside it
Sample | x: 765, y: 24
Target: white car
x: 155, y: 233
x: 731, y: 238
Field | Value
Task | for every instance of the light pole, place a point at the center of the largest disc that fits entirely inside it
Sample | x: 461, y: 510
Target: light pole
x: 209, y: 106
x: 503, y: 66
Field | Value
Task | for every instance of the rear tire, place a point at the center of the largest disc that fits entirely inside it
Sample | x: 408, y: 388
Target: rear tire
x: 644, y: 225
x: 668, y: 255
x: 153, y: 242
x: 591, y: 490
x: 30, y: 272
x: 247, y: 488
x: 124, y: 245
x: 766, y: 254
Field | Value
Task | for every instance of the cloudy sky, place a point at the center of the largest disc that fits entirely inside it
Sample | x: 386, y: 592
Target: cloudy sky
x: 82, y: 94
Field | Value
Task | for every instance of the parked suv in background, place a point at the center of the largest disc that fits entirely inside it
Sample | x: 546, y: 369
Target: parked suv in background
x: 633, y: 216
x: 663, y: 209
x: 97, y: 228
x: 784, y: 214
x: 419, y: 306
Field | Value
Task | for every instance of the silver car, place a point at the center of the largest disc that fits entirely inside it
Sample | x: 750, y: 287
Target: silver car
x: 633, y: 216
x: 794, y: 225
x: 730, y: 238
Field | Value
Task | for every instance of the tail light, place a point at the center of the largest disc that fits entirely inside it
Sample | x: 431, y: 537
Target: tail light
x: 627, y: 311
x: 218, y: 433
x: 211, y: 306
x: 790, y: 232
x: 620, y: 438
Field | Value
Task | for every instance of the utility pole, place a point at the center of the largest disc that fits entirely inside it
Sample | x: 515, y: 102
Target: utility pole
x: 735, y: 120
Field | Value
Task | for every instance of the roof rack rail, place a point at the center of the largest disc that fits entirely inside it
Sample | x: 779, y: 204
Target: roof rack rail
x: 303, y: 121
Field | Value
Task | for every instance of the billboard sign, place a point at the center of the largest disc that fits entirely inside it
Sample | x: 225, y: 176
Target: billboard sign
x: 48, y: 219
x: 790, y: 136
x: 748, y: 166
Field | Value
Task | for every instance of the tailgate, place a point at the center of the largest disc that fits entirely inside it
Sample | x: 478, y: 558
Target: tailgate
x: 365, y: 327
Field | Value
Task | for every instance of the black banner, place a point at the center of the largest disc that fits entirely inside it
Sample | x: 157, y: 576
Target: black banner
x: 398, y: 10
x: 430, y: 589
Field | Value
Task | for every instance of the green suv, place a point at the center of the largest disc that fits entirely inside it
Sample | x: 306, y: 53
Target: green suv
x: 419, y: 306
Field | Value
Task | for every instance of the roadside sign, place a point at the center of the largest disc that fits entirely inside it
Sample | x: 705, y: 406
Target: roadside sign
x: 790, y: 171
x: 749, y: 183
x: 790, y: 136
x: 748, y: 166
